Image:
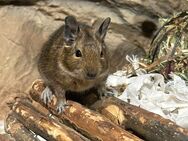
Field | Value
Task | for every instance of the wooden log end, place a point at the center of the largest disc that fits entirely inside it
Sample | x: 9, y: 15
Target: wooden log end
x: 142, y: 122
x: 89, y: 123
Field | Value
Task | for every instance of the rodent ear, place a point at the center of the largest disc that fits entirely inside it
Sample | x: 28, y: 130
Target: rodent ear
x: 102, y: 30
x: 71, y: 29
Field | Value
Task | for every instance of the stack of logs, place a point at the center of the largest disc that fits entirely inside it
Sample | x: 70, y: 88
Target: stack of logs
x: 109, y: 119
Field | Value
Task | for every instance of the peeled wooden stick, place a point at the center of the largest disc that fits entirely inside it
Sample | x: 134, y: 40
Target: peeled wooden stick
x: 44, y: 126
x: 89, y: 123
x: 17, y: 130
x: 149, y: 125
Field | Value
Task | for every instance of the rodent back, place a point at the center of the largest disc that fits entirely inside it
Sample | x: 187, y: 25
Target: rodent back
x: 48, y: 54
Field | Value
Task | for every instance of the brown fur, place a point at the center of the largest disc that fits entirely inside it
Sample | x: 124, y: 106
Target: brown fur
x: 63, y: 71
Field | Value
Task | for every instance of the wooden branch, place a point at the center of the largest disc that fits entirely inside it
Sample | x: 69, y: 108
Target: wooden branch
x: 149, y: 125
x: 46, y: 127
x: 17, y: 130
x: 89, y: 123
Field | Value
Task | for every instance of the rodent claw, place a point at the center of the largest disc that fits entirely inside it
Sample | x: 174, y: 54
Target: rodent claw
x: 61, y: 107
x: 46, y: 95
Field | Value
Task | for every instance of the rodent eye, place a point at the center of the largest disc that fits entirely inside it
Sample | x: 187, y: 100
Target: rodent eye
x: 78, y: 53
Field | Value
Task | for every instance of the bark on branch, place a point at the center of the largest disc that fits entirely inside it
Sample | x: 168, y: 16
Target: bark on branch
x: 17, y: 130
x: 149, y: 125
x: 88, y: 122
x: 50, y: 129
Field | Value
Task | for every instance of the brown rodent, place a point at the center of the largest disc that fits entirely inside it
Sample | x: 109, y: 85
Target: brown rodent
x: 74, y: 59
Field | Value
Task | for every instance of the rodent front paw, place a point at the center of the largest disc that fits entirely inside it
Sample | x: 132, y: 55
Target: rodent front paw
x: 61, y: 106
x: 46, y: 95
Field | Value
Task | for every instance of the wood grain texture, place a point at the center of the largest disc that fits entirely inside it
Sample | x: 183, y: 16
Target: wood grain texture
x: 48, y: 128
x: 88, y: 122
x: 146, y: 124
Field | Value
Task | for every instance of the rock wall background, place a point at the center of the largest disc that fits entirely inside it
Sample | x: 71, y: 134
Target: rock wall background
x: 26, y: 24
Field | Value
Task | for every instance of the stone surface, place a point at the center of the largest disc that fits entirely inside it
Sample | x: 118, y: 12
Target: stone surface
x: 22, y: 33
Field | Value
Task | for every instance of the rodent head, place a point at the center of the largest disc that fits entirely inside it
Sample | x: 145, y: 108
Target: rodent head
x: 84, y: 54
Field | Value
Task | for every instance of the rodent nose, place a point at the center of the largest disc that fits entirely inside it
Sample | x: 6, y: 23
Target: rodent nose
x: 91, y: 75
